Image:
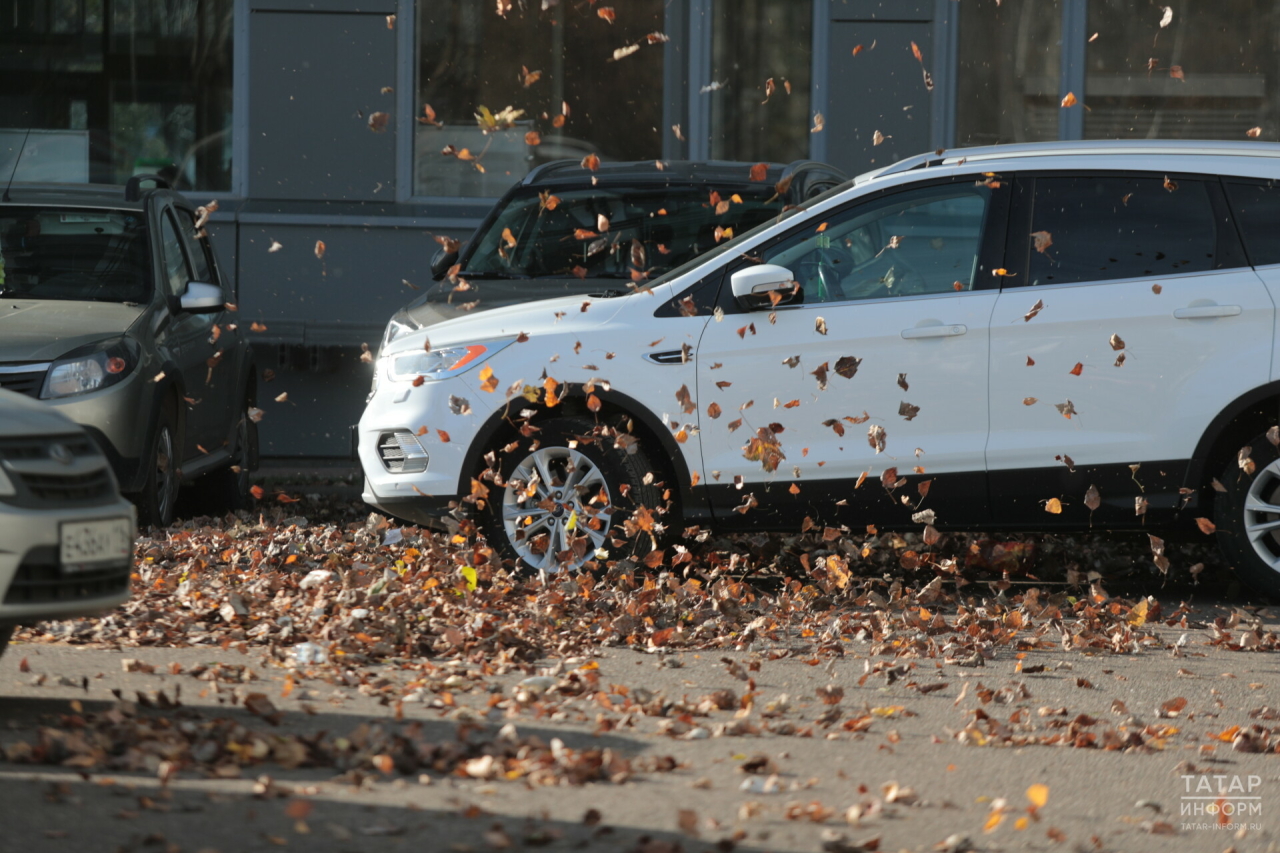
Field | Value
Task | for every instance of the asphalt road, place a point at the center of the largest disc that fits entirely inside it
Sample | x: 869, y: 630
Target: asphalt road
x: 890, y: 761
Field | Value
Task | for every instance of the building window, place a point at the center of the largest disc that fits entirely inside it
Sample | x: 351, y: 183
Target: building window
x: 1210, y: 73
x: 114, y: 88
x: 525, y: 67
x: 1009, y: 71
x: 753, y: 42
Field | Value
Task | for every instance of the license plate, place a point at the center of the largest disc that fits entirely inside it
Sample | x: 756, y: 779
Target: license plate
x: 90, y: 544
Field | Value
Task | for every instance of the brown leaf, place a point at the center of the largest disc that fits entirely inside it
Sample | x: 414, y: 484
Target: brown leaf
x: 915, y: 51
x: 907, y: 410
x: 1092, y: 499
x: 1253, y: 132
x: 320, y: 247
x: 1043, y: 240
x: 378, y: 122
x: 1077, y: 370
x: 1035, y: 309
x: 1029, y: 401
x: 902, y: 378
x: 759, y: 171
x: 714, y: 411
x: 818, y: 123
x: 876, y: 437
x: 820, y: 326
x: 1069, y: 100
x: 1170, y: 185
x: 591, y: 162
x: 606, y: 13
x: 1206, y: 526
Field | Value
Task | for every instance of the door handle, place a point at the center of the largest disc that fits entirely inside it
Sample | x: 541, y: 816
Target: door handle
x: 1199, y: 311
x: 934, y: 332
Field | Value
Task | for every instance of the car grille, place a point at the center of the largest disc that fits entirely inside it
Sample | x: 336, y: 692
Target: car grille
x: 40, y: 580
x: 23, y: 379
x: 36, y: 490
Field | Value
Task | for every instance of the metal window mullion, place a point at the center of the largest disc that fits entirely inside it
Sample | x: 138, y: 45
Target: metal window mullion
x: 1075, y: 24
x: 239, y: 98
x: 946, y: 67
x: 406, y: 96
x: 820, y: 76
x: 700, y: 35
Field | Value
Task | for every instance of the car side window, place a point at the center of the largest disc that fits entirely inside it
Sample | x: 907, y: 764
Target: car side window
x: 921, y: 241
x: 1257, y: 210
x: 197, y: 250
x: 1101, y: 228
x: 176, y: 268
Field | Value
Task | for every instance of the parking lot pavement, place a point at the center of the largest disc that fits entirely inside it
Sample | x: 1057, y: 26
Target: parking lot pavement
x: 1172, y: 746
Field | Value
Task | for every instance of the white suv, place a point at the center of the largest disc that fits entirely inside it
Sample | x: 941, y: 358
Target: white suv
x: 1033, y: 337
x: 66, y: 534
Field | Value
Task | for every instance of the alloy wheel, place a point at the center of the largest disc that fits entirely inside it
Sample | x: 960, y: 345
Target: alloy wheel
x: 554, y: 493
x: 1262, y: 515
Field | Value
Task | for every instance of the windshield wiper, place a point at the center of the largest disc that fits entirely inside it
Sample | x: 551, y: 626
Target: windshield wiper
x: 470, y: 274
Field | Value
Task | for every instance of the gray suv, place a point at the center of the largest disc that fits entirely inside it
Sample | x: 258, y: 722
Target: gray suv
x: 114, y: 310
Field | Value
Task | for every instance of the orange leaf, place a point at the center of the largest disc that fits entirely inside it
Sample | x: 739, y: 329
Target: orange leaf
x: 444, y: 436
x: 1038, y: 794
x: 759, y: 171
x: 1069, y: 100
x: 915, y: 51
x: 1077, y: 370
x: 591, y: 162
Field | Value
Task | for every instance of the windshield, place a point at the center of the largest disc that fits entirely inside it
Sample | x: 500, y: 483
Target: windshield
x: 71, y: 254
x: 635, y: 233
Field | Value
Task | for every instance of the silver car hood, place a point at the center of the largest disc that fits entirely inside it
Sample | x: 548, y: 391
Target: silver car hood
x: 21, y: 416
x: 42, y: 330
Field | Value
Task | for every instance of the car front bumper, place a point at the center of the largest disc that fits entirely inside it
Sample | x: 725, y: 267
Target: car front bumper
x: 117, y: 418
x: 33, y: 584
x: 423, y: 419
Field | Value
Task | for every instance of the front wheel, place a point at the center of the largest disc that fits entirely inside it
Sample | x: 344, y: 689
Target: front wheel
x: 572, y: 492
x: 6, y: 634
x: 160, y: 491
x: 1247, y: 515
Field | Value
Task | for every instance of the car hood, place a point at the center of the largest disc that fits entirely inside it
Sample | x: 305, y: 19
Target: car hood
x: 563, y: 316
x: 443, y: 304
x: 21, y: 416
x: 42, y: 330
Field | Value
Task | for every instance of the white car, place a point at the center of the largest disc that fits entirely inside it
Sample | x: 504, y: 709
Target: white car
x: 66, y: 534
x: 1024, y: 337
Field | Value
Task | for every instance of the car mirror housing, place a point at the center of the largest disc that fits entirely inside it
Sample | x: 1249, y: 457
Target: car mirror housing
x: 754, y: 287
x: 441, y: 262
x: 202, y: 298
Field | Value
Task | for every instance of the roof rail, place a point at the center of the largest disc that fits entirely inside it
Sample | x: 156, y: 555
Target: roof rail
x: 132, y: 191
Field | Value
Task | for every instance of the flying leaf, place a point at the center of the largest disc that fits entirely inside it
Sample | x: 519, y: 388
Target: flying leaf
x: 320, y: 247
x: 1206, y: 526
x: 713, y: 410
x: 1092, y: 499
x: 606, y: 13
x: 625, y: 51
x: 378, y: 122
x: 1028, y: 401
x: 818, y: 123
x: 759, y: 171
x: 876, y: 437
x: 1077, y: 370
x: 877, y: 138
x: 1053, y: 505
x: 907, y: 410
x: 1167, y: 18
x: 820, y: 326
x: 835, y: 425
x: 1038, y: 795
x: 1066, y: 409
x: 1253, y: 132
x: 1069, y: 100
x: 902, y: 379
x: 1043, y: 240
x: 915, y: 51
x: 1170, y: 185
x: 847, y: 366
x: 1035, y: 309
x: 591, y: 162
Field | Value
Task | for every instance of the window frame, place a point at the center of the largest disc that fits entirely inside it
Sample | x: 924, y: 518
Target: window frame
x: 1228, y: 250
x: 1228, y: 181
x: 991, y: 249
x: 168, y: 216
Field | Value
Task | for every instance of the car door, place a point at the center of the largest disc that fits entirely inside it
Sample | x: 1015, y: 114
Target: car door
x: 222, y: 377
x: 1128, y: 321
x: 866, y: 401
x: 188, y: 339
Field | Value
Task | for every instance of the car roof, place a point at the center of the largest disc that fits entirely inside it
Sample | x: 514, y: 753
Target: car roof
x: 109, y: 196
x: 1208, y: 148
x: 696, y: 172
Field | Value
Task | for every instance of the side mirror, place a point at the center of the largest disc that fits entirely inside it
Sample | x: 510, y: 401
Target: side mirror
x: 202, y: 298
x: 441, y: 262
x: 752, y: 287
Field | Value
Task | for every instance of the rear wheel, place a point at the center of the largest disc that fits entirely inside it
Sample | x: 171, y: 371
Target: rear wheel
x: 1247, y: 515
x: 6, y: 633
x: 160, y: 491
x: 571, y: 494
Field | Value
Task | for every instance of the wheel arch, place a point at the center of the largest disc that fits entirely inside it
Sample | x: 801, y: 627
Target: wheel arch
x: 1246, y: 417
x: 573, y: 402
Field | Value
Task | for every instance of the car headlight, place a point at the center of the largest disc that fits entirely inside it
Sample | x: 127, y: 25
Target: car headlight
x: 399, y: 324
x: 442, y: 363
x: 91, y: 368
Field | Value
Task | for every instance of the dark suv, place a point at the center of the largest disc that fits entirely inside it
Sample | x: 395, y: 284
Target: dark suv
x: 113, y: 310
x: 565, y: 229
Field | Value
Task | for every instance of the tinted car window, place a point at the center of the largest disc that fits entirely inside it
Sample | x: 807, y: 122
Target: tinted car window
x: 647, y: 230
x: 199, y: 250
x: 1257, y: 211
x: 910, y: 243
x: 176, y: 270
x: 1103, y: 228
x: 65, y: 253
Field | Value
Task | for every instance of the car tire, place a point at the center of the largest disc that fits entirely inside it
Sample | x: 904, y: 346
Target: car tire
x: 228, y: 488
x: 6, y: 634
x: 1247, y: 532
x: 160, y: 490
x: 574, y: 452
